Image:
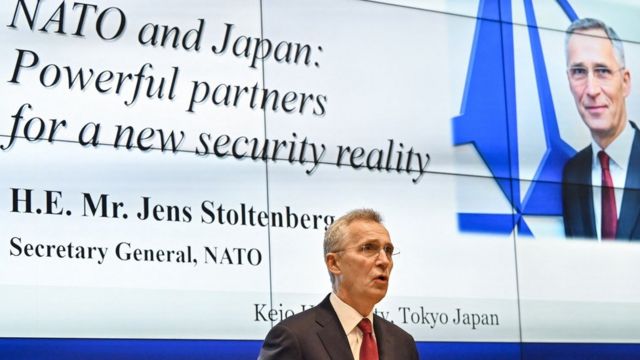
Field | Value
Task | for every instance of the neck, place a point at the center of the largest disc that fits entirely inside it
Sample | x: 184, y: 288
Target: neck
x: 604, y: 140
x: 363, y: 308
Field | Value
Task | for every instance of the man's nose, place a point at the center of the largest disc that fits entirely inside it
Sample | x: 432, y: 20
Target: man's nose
x: 593, y: 85
x: 383, y: 258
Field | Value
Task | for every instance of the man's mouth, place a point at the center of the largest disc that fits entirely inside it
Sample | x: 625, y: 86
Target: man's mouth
x: 595, y: 108
x: 382, y: 278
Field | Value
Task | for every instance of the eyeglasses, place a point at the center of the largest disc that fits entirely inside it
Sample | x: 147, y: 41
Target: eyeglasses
x: 579, y: 74
x: 373, y: 249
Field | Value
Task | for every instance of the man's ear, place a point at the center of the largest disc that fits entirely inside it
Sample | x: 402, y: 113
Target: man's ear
x: 626, y: 82
x: 333, y: 263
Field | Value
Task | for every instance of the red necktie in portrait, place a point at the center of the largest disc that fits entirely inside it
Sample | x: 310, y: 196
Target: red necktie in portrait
x: 609, y: 223
x: 369, y: 348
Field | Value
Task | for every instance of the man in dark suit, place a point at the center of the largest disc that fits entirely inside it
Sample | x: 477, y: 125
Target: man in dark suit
x: 358, y: 254
x: 601, y: 183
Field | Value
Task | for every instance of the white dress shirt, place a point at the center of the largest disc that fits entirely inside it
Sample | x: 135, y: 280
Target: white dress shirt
x: 349, y: 319
x: 619, y: 152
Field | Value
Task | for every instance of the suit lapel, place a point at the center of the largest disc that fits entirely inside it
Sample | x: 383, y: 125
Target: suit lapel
x: 585, y: 196
x: 385, y: 346
x: 630, y: 207
x: 331, y: 334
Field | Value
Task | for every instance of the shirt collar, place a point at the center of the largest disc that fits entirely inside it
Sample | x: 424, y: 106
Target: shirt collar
x: 348, y: 316
x: 619, y: 150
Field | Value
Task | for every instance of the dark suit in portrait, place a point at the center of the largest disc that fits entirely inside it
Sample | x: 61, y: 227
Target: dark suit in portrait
x: 577, y: 196
x: 316, y: 334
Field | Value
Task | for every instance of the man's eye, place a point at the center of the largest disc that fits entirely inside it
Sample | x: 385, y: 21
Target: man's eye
x: 602, y: 71
x: 578, y: 71
x: 368, y: 247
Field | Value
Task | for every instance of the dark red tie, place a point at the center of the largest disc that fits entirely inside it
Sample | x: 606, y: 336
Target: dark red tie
x: 368, y: 349
x: 609, y: 223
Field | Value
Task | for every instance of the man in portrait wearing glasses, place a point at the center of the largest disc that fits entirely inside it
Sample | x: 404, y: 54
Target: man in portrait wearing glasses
x: 358, y: 254
x: 600, y: 183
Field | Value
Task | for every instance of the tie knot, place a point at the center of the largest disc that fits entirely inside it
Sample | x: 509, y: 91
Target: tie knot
x: 604, y: 160
x: 365, y: 326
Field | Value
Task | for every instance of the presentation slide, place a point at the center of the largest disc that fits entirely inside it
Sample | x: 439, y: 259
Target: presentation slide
x: 169, y: 170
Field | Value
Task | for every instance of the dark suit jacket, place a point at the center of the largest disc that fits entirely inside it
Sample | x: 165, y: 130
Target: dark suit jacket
x: 577, y: 196
x: 316, y: 334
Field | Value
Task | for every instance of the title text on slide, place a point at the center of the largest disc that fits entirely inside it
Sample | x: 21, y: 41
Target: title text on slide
x: 160, y: 87
x: 393, y: 157
x: 148, y: 82
x: 110, y: 24
x: 50, y: 202
x: 113, y: 21
x: 127, y: 252
x: 405, y: 315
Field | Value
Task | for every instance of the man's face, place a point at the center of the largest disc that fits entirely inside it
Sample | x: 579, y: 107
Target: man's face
x: 598, y: 83
x: 362, y: 280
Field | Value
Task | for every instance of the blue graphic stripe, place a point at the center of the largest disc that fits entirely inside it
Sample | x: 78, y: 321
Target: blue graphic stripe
x: 109, y: 349
x: 126, y: 349
x: 469, y: 351
x: 479, y: 123
x: 486, y: 223
x: 568, y: 10
x: 509, y: 95
x: 545, y: 351
x: 537, y: 200
x: 482, y: 119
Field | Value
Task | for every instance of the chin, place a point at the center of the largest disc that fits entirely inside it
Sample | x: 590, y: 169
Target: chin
x: 598, y: 125
x: 379, y: 295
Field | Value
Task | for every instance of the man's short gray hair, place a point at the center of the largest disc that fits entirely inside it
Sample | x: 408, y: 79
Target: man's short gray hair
x: 589, y: 24
x: 334, y: 236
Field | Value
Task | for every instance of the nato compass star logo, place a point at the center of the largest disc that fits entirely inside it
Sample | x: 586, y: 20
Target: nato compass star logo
x: 488, y: 120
